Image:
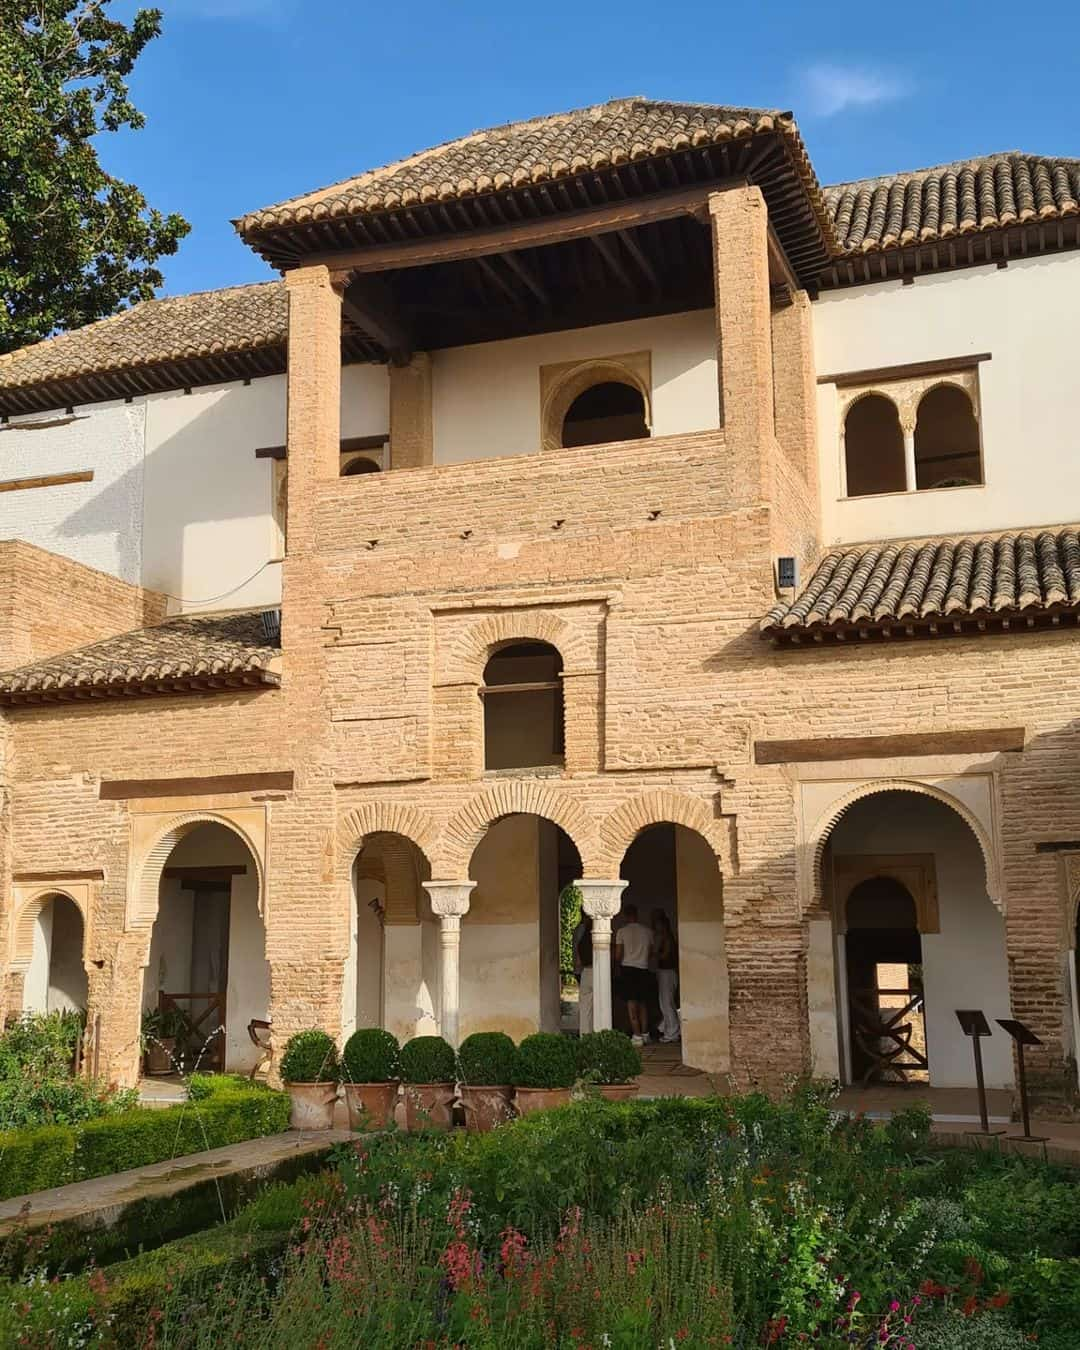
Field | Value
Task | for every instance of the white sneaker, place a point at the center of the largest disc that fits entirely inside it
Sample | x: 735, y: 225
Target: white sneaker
x: 638, y: 1040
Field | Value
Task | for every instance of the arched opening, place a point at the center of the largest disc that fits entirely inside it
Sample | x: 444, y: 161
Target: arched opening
x: 609, y: 411
x: 947, y: 440
x: 55, y: 980
x: 674, y: 884
x: 523, y: 707
x: 874, y: 447
x: 905, y: 881
x: 359, y: 464
x: 510, y: 959
x: 884, y: 979
x: 392, y: 929
x: 206, y: 976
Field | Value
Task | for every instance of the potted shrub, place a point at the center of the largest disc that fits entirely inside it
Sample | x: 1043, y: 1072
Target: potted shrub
x: 309, y: 1068
x: 160, y: 1030
x: 486, y: 1079
x: 610, y: 1060
x: 371, y: 1073
x: 427, y: 1069
x: 544, y: 1069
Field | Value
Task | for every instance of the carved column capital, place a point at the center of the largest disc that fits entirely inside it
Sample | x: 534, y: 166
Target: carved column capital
x: 601, y: 899
x: 449, y: 899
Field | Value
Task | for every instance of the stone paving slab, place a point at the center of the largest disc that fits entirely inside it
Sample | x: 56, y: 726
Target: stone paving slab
x: 100, y: 1200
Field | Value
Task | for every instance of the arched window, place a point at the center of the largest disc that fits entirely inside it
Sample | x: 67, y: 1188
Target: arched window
x: 523, y: 707
x: 611, y: 411
x: 874, y: 447
x: 360, y: 464
x: 947, y: 440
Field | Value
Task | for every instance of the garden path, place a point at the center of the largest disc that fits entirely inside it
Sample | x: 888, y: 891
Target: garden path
x: 93, y: 1202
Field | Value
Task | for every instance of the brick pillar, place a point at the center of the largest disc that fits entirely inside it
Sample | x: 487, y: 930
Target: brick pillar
x: 795, y: 386
x: 744, y: 338
x: 314, y: 396
x: 411, y: 439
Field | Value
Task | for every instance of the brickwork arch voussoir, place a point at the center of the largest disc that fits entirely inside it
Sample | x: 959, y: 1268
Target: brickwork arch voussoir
x: 143, y: 907
x: 465, y: 830
x: 385, y: 818
x: 474, y: 646
x: 22, y: 947
x: 658, y: 807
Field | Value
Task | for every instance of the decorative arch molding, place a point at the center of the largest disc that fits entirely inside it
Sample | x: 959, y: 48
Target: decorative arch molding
x: 473, y: 647
x: 660, y: 807
x: 29, y: 901
x: 385, y: 818
x: 561, y: 384
x: 1071, y: 865
x: 818, y: 836
x: 160, y: 833
x: 465, y: 830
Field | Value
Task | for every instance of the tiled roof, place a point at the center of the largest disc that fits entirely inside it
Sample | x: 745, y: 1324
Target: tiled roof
x: 936, y: 587
x: 535, y: 151
x: 986, y: 193
x: 179, y: 328
x: 189, y: 653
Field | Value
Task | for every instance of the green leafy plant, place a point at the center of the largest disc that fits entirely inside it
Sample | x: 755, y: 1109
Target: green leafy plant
x: 41, y: 1043
x: 427, y: 1059
x: 310, y: 1057
x: 569, y: 918
x: 203, y: 1085
x: 161, y: 1024
x: 486, y: 1059
x: 544, y: 1060
x: 607, y: 1057
x: 371, y: 1055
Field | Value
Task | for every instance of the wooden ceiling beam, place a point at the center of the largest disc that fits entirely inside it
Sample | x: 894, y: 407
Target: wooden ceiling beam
x: 499, y: 281
x: 611, y: 258
x: 581, y: 224
x: 522, y: 270
x: 369, y: 303
x: 638, y: 254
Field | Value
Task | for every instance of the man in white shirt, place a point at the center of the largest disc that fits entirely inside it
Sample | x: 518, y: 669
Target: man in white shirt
x: 633, y: 952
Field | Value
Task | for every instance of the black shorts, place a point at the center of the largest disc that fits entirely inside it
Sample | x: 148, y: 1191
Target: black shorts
x: 637, y: 985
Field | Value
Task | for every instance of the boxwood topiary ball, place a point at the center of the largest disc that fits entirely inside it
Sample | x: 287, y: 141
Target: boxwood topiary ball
x: 371, y: 1055
x: 427, y: 1059
x: 544, y: 1060
x: 486, y: 1059
x: 610, y: 1056
x: 310, y: 1057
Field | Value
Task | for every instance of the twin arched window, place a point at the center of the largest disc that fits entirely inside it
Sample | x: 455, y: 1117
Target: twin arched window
x: 523, y: 707
x: 946, y: 451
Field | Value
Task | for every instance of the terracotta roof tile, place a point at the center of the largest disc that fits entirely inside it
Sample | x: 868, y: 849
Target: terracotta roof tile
x: 988, y: 192
x: 180, y: 328
x: 936, y: 586
x: 189, y: 653
x: 534, y: 151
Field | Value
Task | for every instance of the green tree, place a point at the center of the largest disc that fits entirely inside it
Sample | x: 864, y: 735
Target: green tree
x: 75, y: 243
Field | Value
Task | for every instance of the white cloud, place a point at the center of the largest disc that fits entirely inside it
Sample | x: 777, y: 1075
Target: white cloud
x: 832, y: 89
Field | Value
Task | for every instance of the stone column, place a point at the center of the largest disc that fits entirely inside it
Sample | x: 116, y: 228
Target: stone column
x: 601, y: 900
x: 450, y: 901
x: 910, y: 472
x: 740, y: 225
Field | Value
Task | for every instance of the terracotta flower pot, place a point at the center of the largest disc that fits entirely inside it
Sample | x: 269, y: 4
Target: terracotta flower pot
x: 486, y: 1107
x: 540, y: 1099
x: 371, y: 1105
x: 428, y: 1106
x: 618, y: 1092
x: 312, y: 1105
x: 159, y: 1056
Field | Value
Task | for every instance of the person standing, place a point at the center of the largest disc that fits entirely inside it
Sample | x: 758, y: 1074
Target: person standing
x: 633, y: 952
x: 666, y: 952
x: 583, y: 964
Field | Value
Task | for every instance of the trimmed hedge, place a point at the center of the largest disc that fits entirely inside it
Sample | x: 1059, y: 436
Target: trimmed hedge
x: 53, y: 1155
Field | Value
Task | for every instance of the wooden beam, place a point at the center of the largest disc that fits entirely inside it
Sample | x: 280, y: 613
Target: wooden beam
x: 225, y: 872
x: 498, y: 280
x: 533, y: 233
x: 46, y: 480
x: 369, y: 303
x: 819, y: 750
x: 781, y: 271
x: 881, y: 374
x: 90, y: 874
x: 611, y: 258
x: 521, y: 269
x: 638, y: 254
x: 126, y: 789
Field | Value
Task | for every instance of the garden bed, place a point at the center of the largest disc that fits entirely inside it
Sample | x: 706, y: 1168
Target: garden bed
x: 706, y: 1222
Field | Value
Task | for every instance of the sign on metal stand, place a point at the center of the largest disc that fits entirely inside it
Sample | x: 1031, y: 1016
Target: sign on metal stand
x: 973, y: 1023
x: 1022, y: 1036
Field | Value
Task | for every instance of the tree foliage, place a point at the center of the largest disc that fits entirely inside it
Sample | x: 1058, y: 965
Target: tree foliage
x: 76, y: 243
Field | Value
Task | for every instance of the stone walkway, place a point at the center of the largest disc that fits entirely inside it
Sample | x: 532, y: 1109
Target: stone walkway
x: 102, y: 1198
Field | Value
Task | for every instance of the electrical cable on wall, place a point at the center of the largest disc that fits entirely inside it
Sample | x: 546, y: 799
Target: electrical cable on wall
x: 213, y: 599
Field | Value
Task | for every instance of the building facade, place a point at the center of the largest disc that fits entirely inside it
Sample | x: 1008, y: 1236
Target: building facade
x: 594, y: 499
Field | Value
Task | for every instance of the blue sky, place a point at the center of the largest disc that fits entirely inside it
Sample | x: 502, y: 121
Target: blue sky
x: 250, y: 101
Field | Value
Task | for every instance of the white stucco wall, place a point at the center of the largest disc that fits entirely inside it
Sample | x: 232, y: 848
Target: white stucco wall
x: 964, y: 966
x: 1021, y: 316
x: 96, y: 523
x: 486, y: 398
